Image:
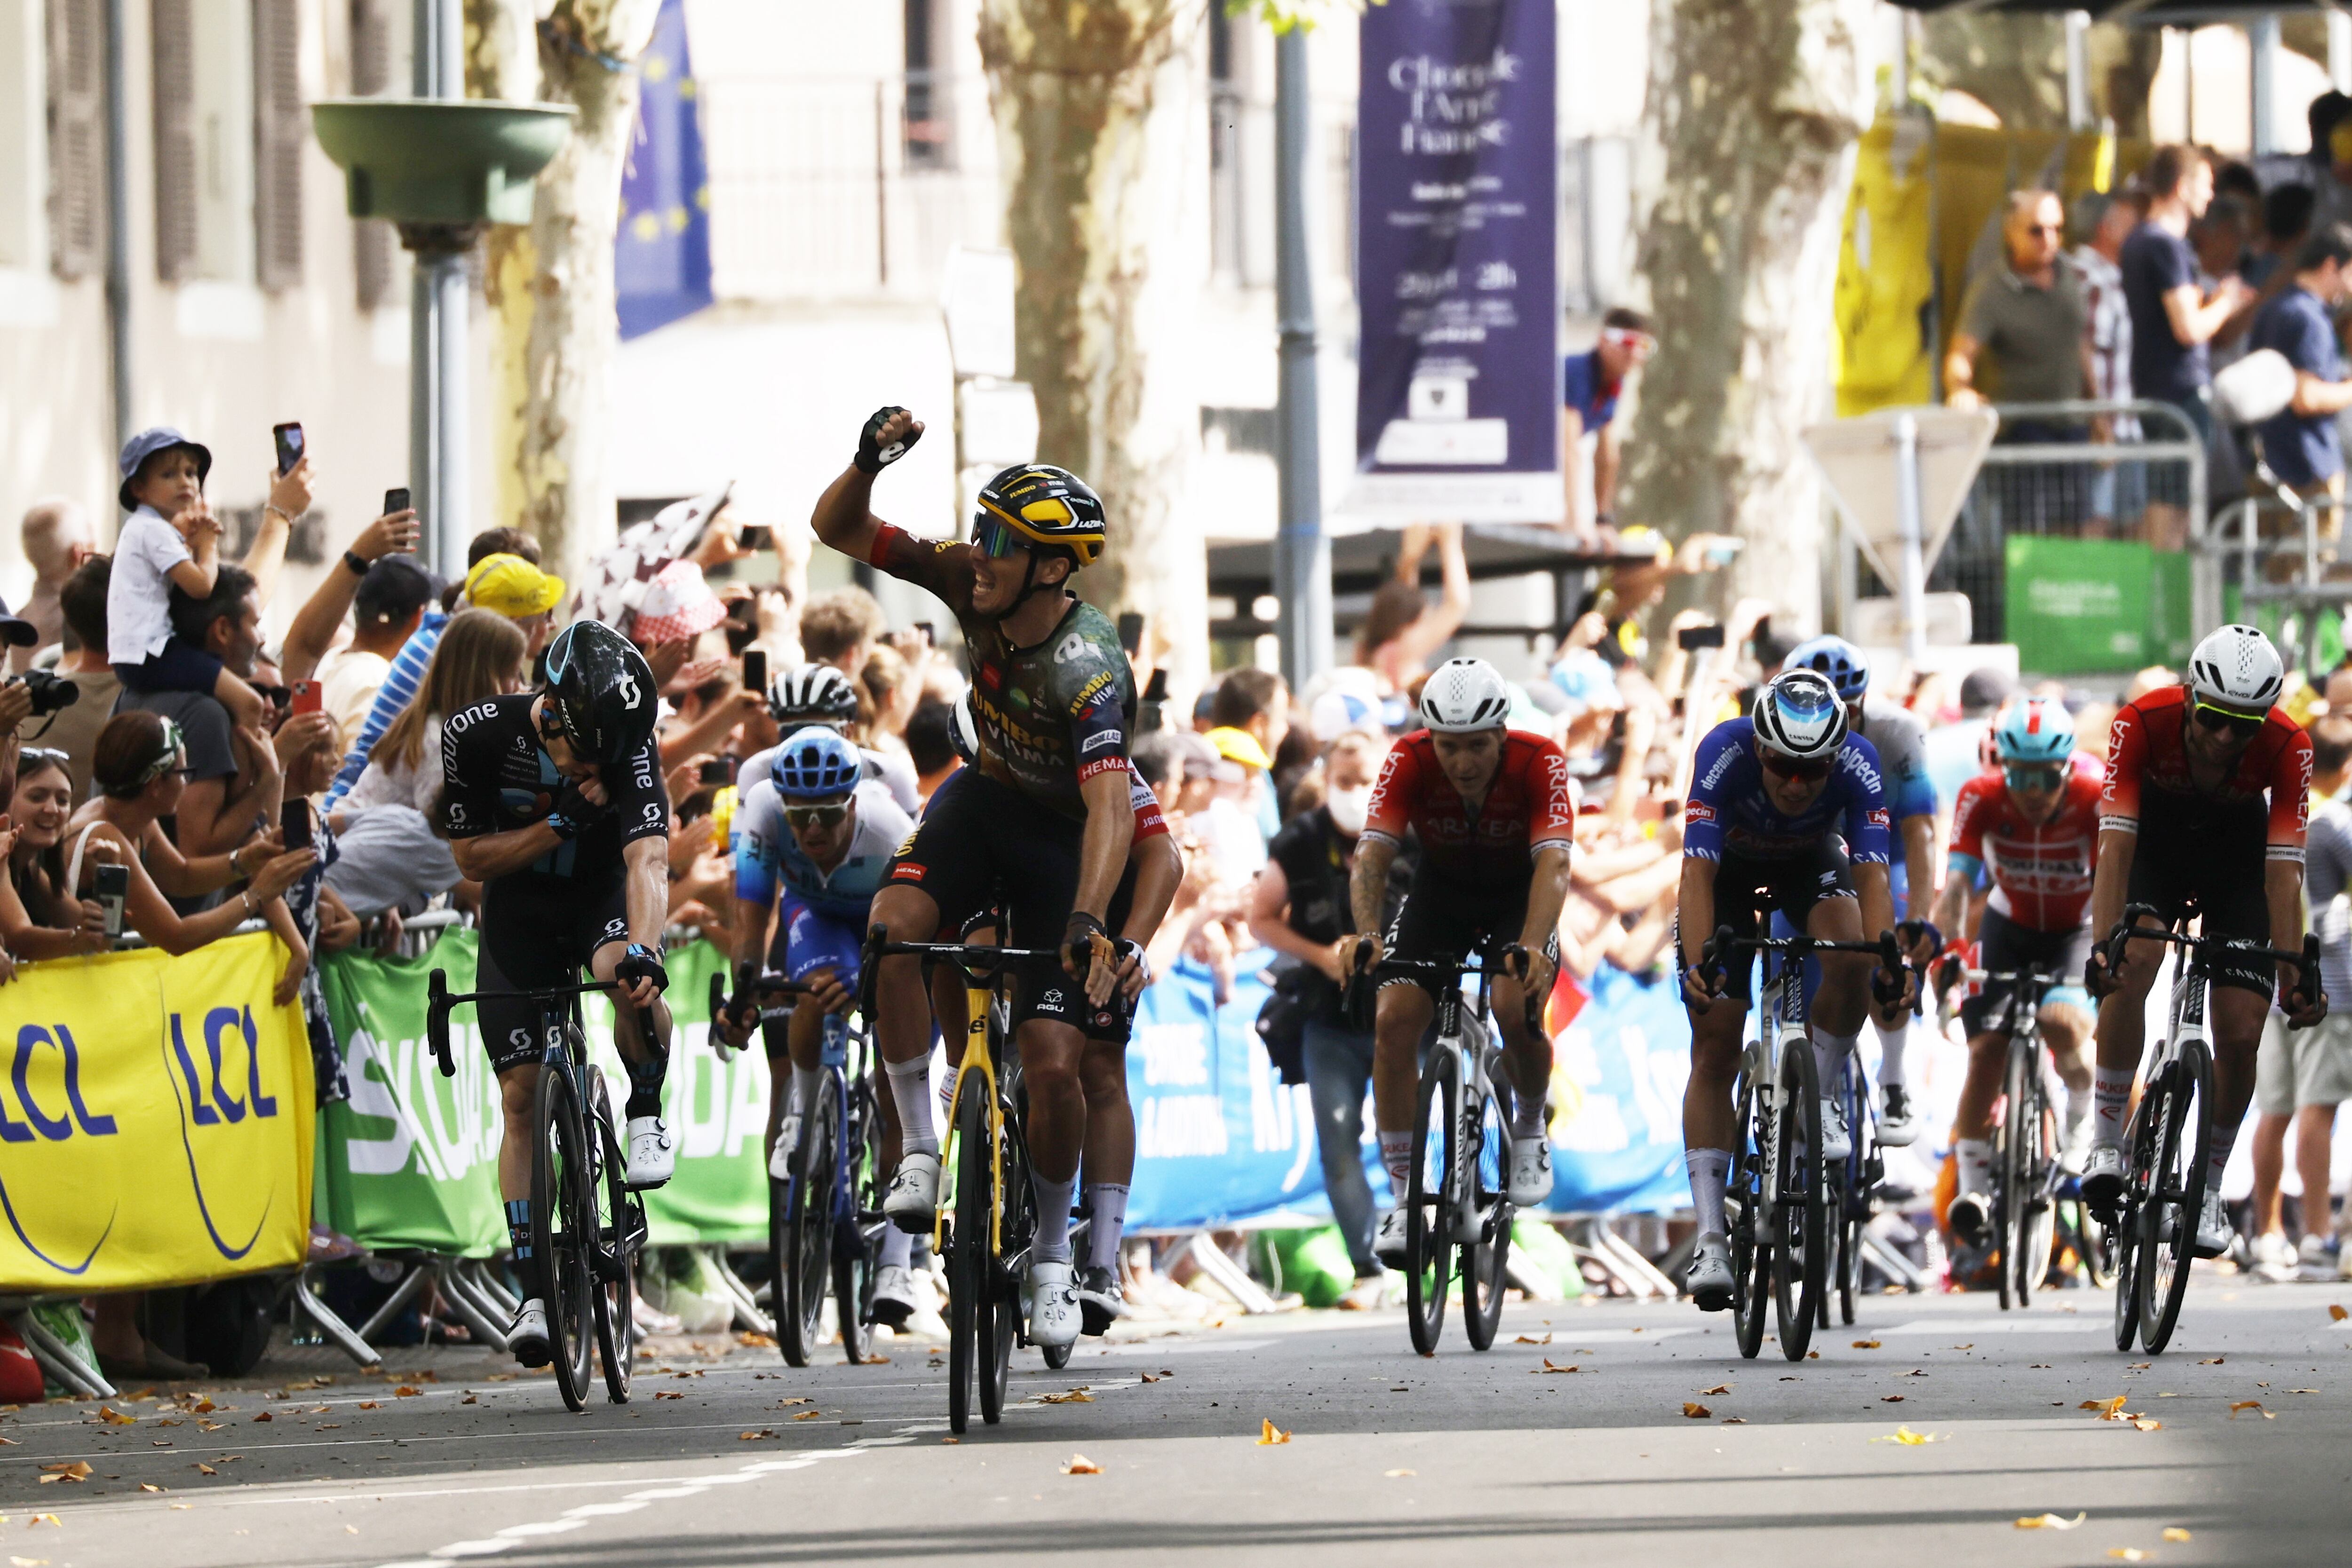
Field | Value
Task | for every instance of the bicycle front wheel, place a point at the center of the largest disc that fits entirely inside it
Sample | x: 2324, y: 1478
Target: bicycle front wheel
x: 564, y: 1230
x: 857, y: 1234
x: 2125, y: 1231
x: 621, y: 1236
x: 806, y: 1261
x: 2029, y: 1217
x: 1799, y: 1217
x: 1428, y: 1252
x: 1486, y: 1260
x: 969, y: 1263
x: 999, y: 1307
x: 1743, y: 1214
x: 2168, y: 1241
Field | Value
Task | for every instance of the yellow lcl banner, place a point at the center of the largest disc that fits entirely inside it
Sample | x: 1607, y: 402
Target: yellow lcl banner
x: 155, y: 1120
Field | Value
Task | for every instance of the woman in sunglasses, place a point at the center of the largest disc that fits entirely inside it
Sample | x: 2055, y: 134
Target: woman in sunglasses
x: 1787, y: 812
x: 2206, y: 803
x: 40, y: 917
x: 2031, y: 828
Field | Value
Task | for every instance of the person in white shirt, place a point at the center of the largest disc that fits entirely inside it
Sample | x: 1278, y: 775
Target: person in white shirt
x: 387, y: 607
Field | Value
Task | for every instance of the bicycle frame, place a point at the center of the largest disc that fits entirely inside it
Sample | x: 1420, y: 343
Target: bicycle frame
x: 1472, y: 1070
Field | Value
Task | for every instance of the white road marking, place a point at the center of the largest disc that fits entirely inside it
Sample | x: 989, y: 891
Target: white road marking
x: 2019, y: 1324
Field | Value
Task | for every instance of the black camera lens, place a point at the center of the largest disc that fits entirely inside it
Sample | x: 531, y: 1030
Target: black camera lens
x: 49, y: 692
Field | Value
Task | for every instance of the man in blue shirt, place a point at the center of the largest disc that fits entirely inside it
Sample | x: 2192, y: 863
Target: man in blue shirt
x: 2299, y: 442
x: 1591, y: 383
x: 1787, y: 811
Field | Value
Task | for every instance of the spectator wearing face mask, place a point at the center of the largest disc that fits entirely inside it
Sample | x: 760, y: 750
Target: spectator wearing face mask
x: 1300, y: 908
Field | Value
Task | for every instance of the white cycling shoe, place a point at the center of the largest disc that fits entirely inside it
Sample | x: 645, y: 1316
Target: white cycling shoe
x: 1837, y: 1144
x: 784, y: 1159
x: 2214, y: 1231
x: 1054, y: 1317
x: 913, y: 1201
x: 1897, y: 1126
x: 894, y: 1296
x: 1708, y: 1280
x: 2103, y: 1178
x: 653, y: 1153
x: 527, y: 1337
x: 1530, y: 1171
x: 1389, y: 1242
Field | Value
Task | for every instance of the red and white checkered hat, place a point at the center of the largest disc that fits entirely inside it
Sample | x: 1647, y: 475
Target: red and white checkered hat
x: 677, y: 604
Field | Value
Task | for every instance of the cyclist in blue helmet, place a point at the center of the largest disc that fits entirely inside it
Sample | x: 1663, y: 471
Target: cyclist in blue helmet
x: 1901, y: 741
x: 812, y: 841
x: 1785, y: 814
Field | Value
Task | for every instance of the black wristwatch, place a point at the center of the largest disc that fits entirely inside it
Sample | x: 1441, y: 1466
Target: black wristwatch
x: 352, y: 560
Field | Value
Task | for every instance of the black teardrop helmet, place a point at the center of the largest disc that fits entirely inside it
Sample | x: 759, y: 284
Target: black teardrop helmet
x: 601, y: 693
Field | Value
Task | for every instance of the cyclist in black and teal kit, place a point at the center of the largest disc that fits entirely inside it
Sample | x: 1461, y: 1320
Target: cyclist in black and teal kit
x: 1042, y: 823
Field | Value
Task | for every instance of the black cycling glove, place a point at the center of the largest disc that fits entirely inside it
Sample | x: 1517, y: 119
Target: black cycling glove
x: 641, y: 963
x: 573, y: 811
x: 872, y: 457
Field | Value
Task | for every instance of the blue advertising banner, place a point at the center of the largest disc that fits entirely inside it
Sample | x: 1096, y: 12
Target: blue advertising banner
x: 1457, y: 395
x: 661, y: 261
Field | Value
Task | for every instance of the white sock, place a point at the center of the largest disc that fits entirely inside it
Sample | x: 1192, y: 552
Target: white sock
x: 1396, y: 1153
x: 1890, y: 1050
x: 2078, y: 1106
x: 804, y: 1088
x: 898, y: 1248
x: 910, y: 1091
x: 1709, y: 1170
x: 1053, y: 1215
x: 1106, y: 1214
x: 1828, y: 1050
x: 2224, y: 1140
x: 1526, y: 1114
x: 1976, y: 1162
x: 947, y: 1094
x: 2111, y: 1091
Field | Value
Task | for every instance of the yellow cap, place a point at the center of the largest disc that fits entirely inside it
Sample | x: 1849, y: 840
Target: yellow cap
x: 1239, y: 746
x: 512, y: 586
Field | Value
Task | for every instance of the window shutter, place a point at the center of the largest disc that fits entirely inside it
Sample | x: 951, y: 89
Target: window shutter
x: 280, y: 130
x: 173, y: 38
x: 372, y: 241
x: 77, y: 123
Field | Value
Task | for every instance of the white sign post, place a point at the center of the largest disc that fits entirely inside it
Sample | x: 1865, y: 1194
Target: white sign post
x: 1899, y: 476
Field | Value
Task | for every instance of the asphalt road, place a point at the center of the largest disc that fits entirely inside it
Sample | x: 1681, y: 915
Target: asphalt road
x: 1661, y: 1445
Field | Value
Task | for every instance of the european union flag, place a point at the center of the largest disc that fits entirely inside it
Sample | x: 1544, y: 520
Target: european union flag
x: 662, y: 256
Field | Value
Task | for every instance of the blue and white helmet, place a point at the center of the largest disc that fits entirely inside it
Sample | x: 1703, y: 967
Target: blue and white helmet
x: 2037, y: 730
x: 1799, y: 715
x: 1837, y: 659
x: 815, y: 764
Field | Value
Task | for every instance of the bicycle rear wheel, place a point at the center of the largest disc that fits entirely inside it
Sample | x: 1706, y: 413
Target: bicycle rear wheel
x: 2029, y: 1220
x: 1800, y: 1240
x: 2008, y: 1167
x: 1487, y: 1261
x: 2169, y: 1240
x: 1427, y: 1250
x: 1743, y: 1210
x: 806, y: 1261
x: 563, y: 1227
x: 968, y: 1254
x: 857, y: 1235
x: 999, y: 1307
x: 2125, y: 1229
x: 621, y: 1236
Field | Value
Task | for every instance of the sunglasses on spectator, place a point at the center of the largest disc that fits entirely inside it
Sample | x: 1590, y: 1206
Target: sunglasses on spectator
x: 2216, y: 719
x: 825, y: 814
x: 1789, y: 767
x: 279, y: 695
x: 48, y: 756
x: 2034, y: 780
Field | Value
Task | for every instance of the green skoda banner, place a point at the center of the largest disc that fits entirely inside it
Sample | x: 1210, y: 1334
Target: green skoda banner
x: 411, y: 1163
x: 2077, y: 605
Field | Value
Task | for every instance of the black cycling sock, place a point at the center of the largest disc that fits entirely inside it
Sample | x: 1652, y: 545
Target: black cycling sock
x: 645, y: 1084
x: 519, y: 1227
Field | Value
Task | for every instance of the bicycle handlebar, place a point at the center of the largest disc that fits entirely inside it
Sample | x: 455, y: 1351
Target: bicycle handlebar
x: 976, y: 965
x: 439, y: 999
x: 2126, y: 930
x: 755, y: 986
x: 1714, y: 955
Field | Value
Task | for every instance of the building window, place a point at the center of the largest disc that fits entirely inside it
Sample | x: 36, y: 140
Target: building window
x: 204, y: 92
x: 930, y: 117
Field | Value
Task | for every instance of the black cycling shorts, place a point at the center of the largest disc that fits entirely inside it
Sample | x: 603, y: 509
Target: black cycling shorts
x: 2214, y: 863
x: 1443, y: 923
x: 982, y: 846
x: 1745, y: 889
x: 2002, y: 944
x: 531, y: 940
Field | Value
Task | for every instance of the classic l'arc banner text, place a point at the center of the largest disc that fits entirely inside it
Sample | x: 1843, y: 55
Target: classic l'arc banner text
x: 155, y: 1121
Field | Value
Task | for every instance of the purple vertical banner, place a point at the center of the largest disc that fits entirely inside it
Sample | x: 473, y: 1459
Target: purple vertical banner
x: 1457, y: 398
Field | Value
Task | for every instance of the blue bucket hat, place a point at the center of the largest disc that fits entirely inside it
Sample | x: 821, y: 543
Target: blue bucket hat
x: 145, y: 444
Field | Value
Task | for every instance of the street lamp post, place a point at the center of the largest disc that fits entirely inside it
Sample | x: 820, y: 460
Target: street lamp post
x: 1302, y: 555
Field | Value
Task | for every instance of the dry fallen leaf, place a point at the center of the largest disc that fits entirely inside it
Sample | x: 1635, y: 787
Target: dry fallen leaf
x: 663, y: 1394
x: 2050, y: 1521
x: 149, y: 1487
x: 1269, y: 1434
x: 1812, y: 1355
x: 781, y: 1405
x: 208, y: 1469
x: 2211, y: 1360
x: 2174, y: 1532
x: 1734, y: 1421
x: 2128, y: 1554
x: 2336, y: 1314
x: 1866, y: 1344
x: 30, y: 1562
x: 48, y: 1518
x: 755, y: 1436
x: 113, y: 1417
x: 2106, y: 1409
x: 1149, y: 1378
x: 808, y: 1415
x: 1695, y: 1411
x: 1552, y: 1366
x: 1718, y: 1388
x: 1076, y: 1396
x: 469, y: 1399
x: 407, y: 1391
x: 2254, y: 1404
x: 371, y: 1404
x: 1890, y: 1399
x: 265, y: 1415
x: 1393, y: 1474
x: 1908, y: 1438
x: 204, y: 1406
x: 1532, y: 1340
x: 1080, y: 1464
x: 66, y: 1470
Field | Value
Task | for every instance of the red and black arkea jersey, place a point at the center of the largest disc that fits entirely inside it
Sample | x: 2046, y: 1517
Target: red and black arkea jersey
x: 2041, y: 871
x: 2148, y: 761
x: 1531, y: 802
